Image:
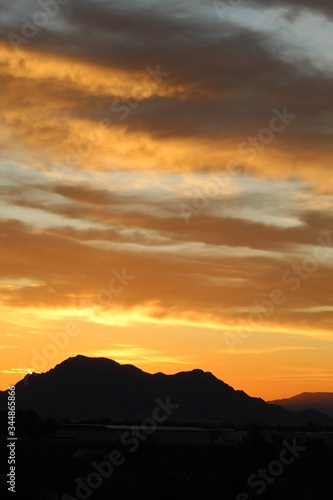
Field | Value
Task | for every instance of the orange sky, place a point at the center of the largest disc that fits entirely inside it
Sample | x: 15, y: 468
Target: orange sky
x: 166, y: 191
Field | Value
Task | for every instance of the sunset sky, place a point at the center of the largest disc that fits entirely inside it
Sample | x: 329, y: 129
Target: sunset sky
x: 167, y: 190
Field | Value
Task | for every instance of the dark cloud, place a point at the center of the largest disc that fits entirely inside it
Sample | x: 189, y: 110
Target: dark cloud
x: 117, y: 211
x: 323, y: 7
x: 223, y: 81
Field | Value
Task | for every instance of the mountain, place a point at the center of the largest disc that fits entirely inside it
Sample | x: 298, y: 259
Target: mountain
x: 83, y: 387
x: 320, y: 401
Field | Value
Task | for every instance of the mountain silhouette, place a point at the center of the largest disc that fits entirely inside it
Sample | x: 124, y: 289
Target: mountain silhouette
x: 96, y: 388
x: 320, y: 401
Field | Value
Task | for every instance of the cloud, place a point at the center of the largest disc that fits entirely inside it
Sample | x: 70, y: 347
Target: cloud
x: 322, y: 6
x: 145, y: 218
x: 196, y: 117
x: 68, y: 266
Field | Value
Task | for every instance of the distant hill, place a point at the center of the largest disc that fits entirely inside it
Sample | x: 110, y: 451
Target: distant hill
x: 320, y: 401
x: 94, y: 388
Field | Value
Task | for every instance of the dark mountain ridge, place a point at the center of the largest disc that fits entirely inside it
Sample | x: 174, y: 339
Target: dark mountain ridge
x: 320, y: 401
x: 95, y: 388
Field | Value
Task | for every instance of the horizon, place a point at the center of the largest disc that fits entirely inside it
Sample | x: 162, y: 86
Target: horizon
x: 154, y: 373
x: 166, y: 189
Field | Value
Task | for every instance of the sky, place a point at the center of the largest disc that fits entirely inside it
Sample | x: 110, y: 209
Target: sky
x: 166, y: 188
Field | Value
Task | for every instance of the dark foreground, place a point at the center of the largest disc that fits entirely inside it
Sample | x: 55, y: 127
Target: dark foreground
x: 264, y: 465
